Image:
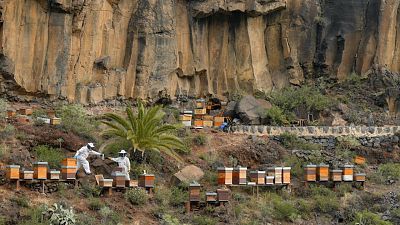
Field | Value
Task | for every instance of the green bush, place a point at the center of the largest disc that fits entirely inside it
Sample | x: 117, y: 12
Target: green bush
x: 368, y: 218
x: 204, y: 220
x: 162, y: 195
x: 90, y: 190
x: 347, y: 142
x: 136, y: 196
x: 3, y: 109
x: 178, y: 196
x: 35, y: 217
x: 326, y: 204
x: 304, y: 207
x: 200, y: 139
x: 170, y: 220
x: 343, y: 189
x: 95, y: 204
x: 59, y: 214
x: 75, y: 119
x: 291, y: 141
x: 276, y: 116
x: 284, y: 210
x: 3, y: 150
x: 109, y: 216
x: 48, y: 154
x: 309, y: 98
x: 390, y: 171
x: 21, y: 201
x: 85, y: 219
x: 6, y: 131
x: 114, y: 147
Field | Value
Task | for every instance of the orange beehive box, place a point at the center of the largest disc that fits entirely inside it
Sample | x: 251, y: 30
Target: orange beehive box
x: 12, y: 172
x: 11, y: 113
x: 211, y: 197
x: 219, y: 119
x: 119, y: 179
x: 359, y: 177
x: 225, y: 175
x: 146, y: 180
x: 207, y: 123
x: 68, y: 172
x: 54, y: 175
x: 359, y: 160
x: 336, y: 175
x: 311, y: 173
x: 239, y: 176
x: 258, y: 177
x: 194, y: 192
x: 68, y: 162
x: 198, y: 123
x: 286, y: 175
x: 51, y: 113
x: 348, y: 172
x: 40, y: 170
x: 25, y: 111
x: 200, y: 103
x: 218, y: 124
x: 323, y: 172
x: 131, y: 183
x: 27, y: 175
x: 23, y: 119
x: 208, y: 117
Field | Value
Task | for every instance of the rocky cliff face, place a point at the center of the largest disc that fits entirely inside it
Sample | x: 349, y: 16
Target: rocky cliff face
x: 92, y: 50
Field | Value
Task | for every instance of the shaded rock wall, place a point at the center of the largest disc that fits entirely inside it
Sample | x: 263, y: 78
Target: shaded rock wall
x: 92, y: 50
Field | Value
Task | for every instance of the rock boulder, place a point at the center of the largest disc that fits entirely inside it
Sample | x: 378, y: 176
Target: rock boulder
x: 251, y: 110
x: 188, y: 174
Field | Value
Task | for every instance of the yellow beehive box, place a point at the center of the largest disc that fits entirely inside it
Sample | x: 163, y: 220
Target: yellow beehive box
x: 278, y: 175
x: 25, y: 111
x: 11, y: 113
x: 311, y: 173
x: 323, y: 172
x: 239, y: 176
x: 55, y: 121
x: 348, y: 172
x: 286, y: 175
x: 200, y: 103
x: 200, y: 111
x: 68, y: 162
x: 336, y: 175
x: 198, y: 123
x: 359, y: 160
x: 40, y: 170
x: 27, y: 175
x: 359, y: 177
x: 208, y: 117
x: 185, y: 117
x: 106, y: 182
x: 207, y: 123
x: 219, y: 119
x: 132, y: 183
x: 225, y: 175
x: 12, y: 172
x: 54, y: 174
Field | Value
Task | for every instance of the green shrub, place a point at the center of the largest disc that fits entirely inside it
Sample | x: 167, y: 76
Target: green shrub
x: 116, y: 146
x: 3, y: 150
x: 204, y: 220
x: 304, y: 207
x: 85, y: 219
x: 390, y: 171
x: 3, y: 109
x: 21, y: 201
x: 162, y: 195
x: 48, y: 154
x: 368, y: 218
x: 6, y: 131
x: 210, y: 177
x: 35, y: 217
x: 309, y: 98
x: 296, y: 163
x: 326, y: 204
x: 90, y: 190
x: 3, y: 220
x: 136, y: 196
x: 347, y: 142
x: 343, y: 189
x: 95, y: 204
x: 200, y: 139
x: 178, y: 196
x: 59, y: 214
x: 284, y: 210
x: 170, y: 220
x: 109, y: 216
x: 74, y: 118
x: 276, y: 116
x: 291, y: 141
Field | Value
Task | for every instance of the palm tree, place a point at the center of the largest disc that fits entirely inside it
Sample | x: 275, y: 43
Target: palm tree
x: 145, y: 131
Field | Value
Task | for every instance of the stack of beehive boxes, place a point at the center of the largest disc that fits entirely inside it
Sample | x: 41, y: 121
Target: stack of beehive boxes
x: 186, y: 118
x: 199, y: 112
x: 68, y: 169
x: 322, y: 173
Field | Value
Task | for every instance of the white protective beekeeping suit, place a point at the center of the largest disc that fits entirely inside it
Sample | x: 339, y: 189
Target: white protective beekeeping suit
x: 82, y: 154
x: 124, y: 163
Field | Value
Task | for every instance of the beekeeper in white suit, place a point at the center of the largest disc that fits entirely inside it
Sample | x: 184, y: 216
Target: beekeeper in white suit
x: 123, y: 162
x: 82, y: 154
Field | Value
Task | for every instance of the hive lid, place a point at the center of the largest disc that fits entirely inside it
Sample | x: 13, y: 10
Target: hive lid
x: 200, y: 100
x: 360, y: 174
x: 240, y: 168
x: 13, y: 166
x: 211, y: 193
x: 194, y: 185
x: 225, y: 168
x: 260, y: 171
x: 269, y: 177
x: 311, y: 166
x: 251, y: 183
x: 119, y: 174
x: 108, y: 180
x: 148, y: 175
x: 348, y: 166
x: 40, y: 163
x: 336, y: 171
x: 188, y: 112
x: 323, y: 165
x: 26, y: 171
x: 287, y: 168
x: 55, y: 172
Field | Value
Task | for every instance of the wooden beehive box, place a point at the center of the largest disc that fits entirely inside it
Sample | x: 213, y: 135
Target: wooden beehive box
x: 311, y: 173
x: 23, y: 119
x: 359, y: 177
x: 11, y: 113
x: 218, y: 121
x: 278, y: 175
x: 200, y: 103
x: 359, y: 160
x: 323, y: 172
x: 51, y: 113
x: 27, y: 175
x: 194, y: 192
x: 208, y: 117
x: 336, y: 175
x: 225, y: 175
x: 211, y: 197
x: 239, y: 176
x: 198, y: 123
x: 223, y: 195
x: 185, y: 117
x: 146, y: 180
x: 68, y: 172
x: 259, y: 177
x: 131, y: 183
x: 207, y: 123
x: 12, y: 172
x: 105, y: 182
x: 119, y: 180
x: 348, y: 172
x: 271, y: 171
x: 25, y: 111
x: 40, y: 170
x: 269, y: 180
x: 54, y: 174
x: 68, y: 162
x: 200, y: 111
x: 286, y: 175
x: 55, y: 121
x: 187, y: 123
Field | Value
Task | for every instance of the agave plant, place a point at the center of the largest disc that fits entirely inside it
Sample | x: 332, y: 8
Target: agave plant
x: 60, y: 215
x: 144, y: 130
